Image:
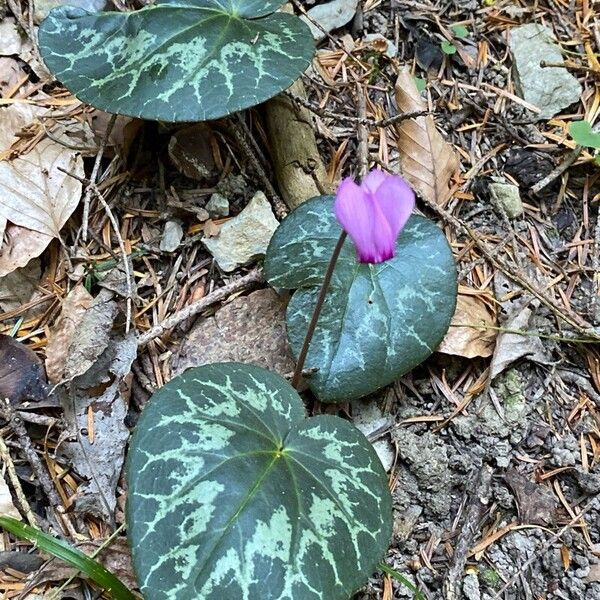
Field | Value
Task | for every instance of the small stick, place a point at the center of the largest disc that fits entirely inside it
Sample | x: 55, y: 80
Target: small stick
x: 478, y: 503
x: 558, y: 171
x: 88, y: 192
x: 327, y: 114
x: 14, y: 479
x: 16, y: 424
x: 254, y: 277
x: 128, y: 276
x: 279, y: 208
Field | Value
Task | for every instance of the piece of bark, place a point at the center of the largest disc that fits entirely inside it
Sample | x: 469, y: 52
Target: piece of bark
x: 293, y: 146
x: 294, y: 149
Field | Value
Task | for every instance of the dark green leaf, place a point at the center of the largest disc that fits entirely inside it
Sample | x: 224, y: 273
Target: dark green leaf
x: 93, y: 569
x: 379, y: 321
x: 234, y: 495
x: 582, y: 133
x: 177, y: 60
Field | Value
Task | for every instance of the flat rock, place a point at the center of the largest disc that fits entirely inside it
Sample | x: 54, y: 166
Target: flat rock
x: 172, y: 236
x: 506, y: 196
x: 251, y: 329
x: 245, y: 237
x: 330, y: 16
x: 12, y: 42
x: 549, y: 88
x: 218, y: 206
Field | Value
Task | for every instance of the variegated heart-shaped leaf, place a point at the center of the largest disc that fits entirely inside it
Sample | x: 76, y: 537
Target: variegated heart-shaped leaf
x: 177, y: 60
x: 234, y: 494
x: 379, y: 320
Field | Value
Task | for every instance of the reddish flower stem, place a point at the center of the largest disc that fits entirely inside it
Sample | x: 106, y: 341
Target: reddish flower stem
x: 317, y: 311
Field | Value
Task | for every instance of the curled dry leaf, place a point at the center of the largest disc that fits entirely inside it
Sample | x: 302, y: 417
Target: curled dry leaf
x: 21, y: 372
x: 471, y: 333
x: 93, y: 335
x: 512, y: 346
x: 61, y: 335
x: 427, y: 161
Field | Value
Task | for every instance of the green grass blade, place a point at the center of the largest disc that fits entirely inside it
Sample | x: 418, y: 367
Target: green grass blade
x: 93, y: 569
x: 403, y: 580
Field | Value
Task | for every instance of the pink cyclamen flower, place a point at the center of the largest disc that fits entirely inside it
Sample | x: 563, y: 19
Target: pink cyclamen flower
x: 374, y: 213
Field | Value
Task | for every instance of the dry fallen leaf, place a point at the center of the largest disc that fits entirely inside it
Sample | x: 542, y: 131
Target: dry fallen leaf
x: 512, y: 346
x: 13, y: 119
x: 61, y: 335
x: 35, y: 193
x: 427, y: 161
x: 467, y: 341
x: 18, y: 287
x: 11, y: 74
x: 21, y: 372
x: 20, y: 246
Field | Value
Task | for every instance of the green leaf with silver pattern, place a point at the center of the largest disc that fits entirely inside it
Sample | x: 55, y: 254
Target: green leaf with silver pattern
x: 177, y: 60
x: 234, y: 494
x: 378, y: 321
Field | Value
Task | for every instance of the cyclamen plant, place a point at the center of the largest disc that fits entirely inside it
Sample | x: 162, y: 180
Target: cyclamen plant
x: 233, y: 492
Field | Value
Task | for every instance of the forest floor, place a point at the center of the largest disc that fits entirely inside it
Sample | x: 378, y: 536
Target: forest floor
x: 492, y: 445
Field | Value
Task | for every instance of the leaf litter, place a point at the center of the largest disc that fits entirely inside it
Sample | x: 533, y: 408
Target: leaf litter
x: 528, y: 341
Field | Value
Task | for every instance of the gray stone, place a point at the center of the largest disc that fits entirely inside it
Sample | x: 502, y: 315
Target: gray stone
x: 471, y: 587
x: 507, y: 197
x: 43, y: 7
x: 12, y: 42
x: 549, y: 88
x: 330, y: 16
x: 218, y: 206
x: 245, y: 237
x: 172, y: 236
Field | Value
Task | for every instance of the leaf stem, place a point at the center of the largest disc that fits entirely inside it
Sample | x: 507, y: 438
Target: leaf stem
x: 317, y: 311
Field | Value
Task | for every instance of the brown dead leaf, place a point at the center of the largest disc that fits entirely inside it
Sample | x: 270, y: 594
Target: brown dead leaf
x: 463, y: 337
x: 61, y: 335
x: 35, y: 190
x: 535, y: 503
x: 427, y: 161
x: 20, y: 246
x: 210, y: 228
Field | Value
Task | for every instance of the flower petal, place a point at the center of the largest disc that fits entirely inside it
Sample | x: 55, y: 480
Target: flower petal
x: 396, y: 200
x: 355, y: 213
x: 373, y: 180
